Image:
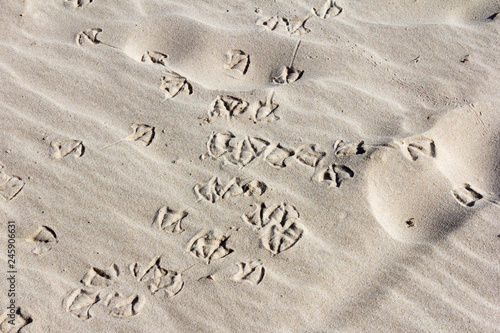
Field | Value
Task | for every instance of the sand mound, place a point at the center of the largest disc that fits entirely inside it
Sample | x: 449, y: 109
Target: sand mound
x: 411, y: 199
x: 467, y: 142
x: 422, y: 187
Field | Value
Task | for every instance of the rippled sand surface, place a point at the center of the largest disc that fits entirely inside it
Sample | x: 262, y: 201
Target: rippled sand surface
x: 250, y: 166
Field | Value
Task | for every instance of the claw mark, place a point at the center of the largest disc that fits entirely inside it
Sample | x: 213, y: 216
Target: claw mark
x: 170, y: 220
x: 277, y: 226
x: 294, y: 26
x: 173, y: 84
x: 237, y: 60
x: 142, y: 133
x: 276, y: 214
x: 232, y: 188
x: 329, y: 9
x: 211, y: 192
x: 264, y: 111
x: 79, y: 302
x: 335, y: 175
x: 297, y: 26
x: 232, y: 107
x: 346, y: 149
x: 214, y: 191
x: 218, y: 144
x: 258, y: 145
x: 123, y: 307
x: 242, y: 153
x: 307, y: 155
x: 101, y: 278
x: 252, y: 271
x: 16, y: 324
x: 154, y: 58
x: 88, y: 36
x: 158, y: 278
x: 277, y: 238
x: 466, y: 196
x: 227, y: 106
x: 208, y: 247
x: 276, y: 155
x: 289, y: 74
x: 413, y: 148
x: 270, y: 23
x: 254, y: 188
x: 44, y: 238
x: 10, y: 185
x: 67, y: 147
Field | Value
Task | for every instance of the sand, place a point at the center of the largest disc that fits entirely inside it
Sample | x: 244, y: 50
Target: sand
x: 258, y: 166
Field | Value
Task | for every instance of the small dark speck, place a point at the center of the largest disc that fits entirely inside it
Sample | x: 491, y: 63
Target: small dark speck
x: 410, y: 223
x: 494, y: 16
x: 43, y: 212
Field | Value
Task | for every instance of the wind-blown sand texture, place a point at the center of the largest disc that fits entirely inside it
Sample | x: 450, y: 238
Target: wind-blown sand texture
x: 251, y: 166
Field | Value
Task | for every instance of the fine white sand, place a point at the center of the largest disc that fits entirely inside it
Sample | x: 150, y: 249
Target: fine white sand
x: 250, y: 166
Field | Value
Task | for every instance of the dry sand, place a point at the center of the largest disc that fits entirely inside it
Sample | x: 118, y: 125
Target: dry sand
x: 250, y: 166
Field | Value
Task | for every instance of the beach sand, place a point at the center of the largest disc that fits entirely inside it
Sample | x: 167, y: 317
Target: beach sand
x: 250, y: 166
